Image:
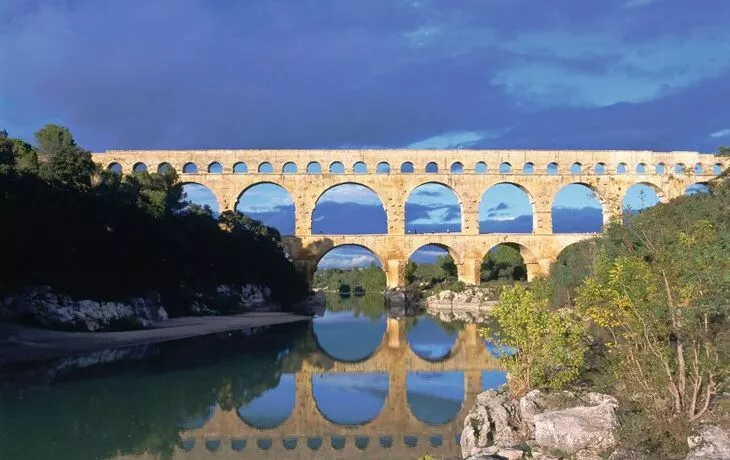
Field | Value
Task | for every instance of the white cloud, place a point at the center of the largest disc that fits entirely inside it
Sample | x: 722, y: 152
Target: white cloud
x: 721, y: 133
x: 452, y: 140
x: 347, y: 261
x: 640, y: 3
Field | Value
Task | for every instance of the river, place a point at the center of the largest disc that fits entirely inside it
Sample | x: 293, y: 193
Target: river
x: 352, y: 384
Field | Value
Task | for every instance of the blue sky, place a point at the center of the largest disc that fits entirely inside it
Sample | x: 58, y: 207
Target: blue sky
x: 569, y: 74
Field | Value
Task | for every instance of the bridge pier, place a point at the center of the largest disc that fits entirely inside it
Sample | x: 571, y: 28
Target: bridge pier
x: 395, y: 273
x: 469, y: 271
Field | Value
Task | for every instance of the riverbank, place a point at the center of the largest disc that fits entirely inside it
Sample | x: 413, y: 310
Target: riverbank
x: 21, y: 343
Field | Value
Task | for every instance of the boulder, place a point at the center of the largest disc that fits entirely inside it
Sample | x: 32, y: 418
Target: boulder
x: 710, y: 443
x: 562, y: 423
x: 60, y: 311
x: 582, y: 428
x: 493, y: 421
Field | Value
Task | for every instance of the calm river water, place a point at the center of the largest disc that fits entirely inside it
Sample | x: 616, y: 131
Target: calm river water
x: 353, y: 384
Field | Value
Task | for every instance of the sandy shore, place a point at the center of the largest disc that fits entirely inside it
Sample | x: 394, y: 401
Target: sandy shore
x: 20, y: 343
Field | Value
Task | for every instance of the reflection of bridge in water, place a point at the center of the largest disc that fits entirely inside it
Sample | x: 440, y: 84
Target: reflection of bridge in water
x: 394, y: 433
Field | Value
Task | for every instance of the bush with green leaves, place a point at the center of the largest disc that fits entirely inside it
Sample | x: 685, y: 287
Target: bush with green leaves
x: 544, y: 349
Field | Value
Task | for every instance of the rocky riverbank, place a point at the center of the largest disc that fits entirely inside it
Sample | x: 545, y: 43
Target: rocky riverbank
x: 40, y: 306
x: 563, y: 425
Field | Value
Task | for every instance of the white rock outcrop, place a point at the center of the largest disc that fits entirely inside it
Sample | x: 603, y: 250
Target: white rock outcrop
x: 710, y: 443
x: 472, y: 299
x: 61, y: 311
x: 552, y: 425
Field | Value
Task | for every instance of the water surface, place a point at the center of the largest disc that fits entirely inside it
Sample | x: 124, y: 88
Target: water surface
x: 352, y: 384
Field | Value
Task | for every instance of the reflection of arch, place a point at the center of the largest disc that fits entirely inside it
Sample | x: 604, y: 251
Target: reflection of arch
x: 259, y: 407
x: 335, y: 186
x: 525, y: 193
x: 200, y: 421
x: 427, y: 327
x: 325, y: 389
x: 450, y: 407
x: 408, y: 201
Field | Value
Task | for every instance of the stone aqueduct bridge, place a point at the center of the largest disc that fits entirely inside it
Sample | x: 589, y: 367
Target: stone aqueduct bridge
x: 229, y: 173
x: 394, y: 433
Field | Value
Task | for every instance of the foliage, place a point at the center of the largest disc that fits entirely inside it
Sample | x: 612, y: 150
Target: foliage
x: 62, y: 161
x: 370, y: 279
x: 573, y: 265
x: 549, y: 346
x: 95, y: 234
x: 660, y: 291
x: 503, y: 263
x: 723, y: 151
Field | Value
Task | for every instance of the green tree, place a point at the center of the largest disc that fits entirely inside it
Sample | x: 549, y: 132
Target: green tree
x: 503, y: 263
x: 6, y: 151
x: 447, y: 265
x: 549, y: 349
x: 25, y: 156
x: 660, y: 291
x: 723, y: 151
x: 61, y: 160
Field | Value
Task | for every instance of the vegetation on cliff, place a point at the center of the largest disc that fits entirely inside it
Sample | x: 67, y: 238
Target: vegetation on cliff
x: 91, y: 233
x: 648, y: 303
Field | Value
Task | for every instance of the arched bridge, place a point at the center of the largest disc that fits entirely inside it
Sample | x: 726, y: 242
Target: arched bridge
x: 393, y: 174
x: 307, y: 433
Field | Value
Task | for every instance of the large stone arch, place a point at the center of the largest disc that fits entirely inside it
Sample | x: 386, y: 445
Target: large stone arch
x: 523, y: 189
x: 459, y: 200
x: 207, y: 187
x: 452, y: 252
x: 329, y: 187
x: 662, y: 196
x: 606, y: 208
x: 274, y: 182
x: 534, y: 269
